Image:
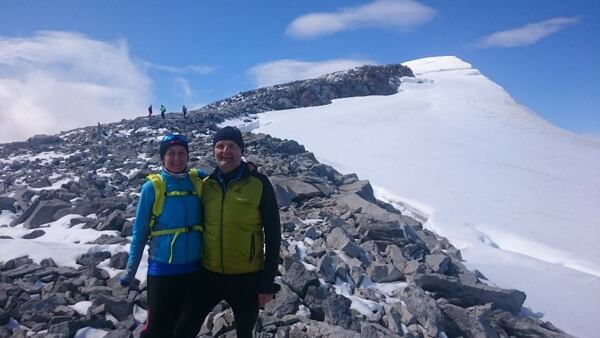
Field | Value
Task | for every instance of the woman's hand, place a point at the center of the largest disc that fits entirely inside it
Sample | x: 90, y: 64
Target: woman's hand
x: 264, y: 298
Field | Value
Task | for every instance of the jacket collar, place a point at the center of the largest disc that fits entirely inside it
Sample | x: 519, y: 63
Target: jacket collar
x: 241, y: 172
x: 178, y: 176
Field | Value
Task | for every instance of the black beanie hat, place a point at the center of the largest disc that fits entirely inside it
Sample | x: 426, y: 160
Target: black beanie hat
x: 231, y: 134
x: 172, y: 140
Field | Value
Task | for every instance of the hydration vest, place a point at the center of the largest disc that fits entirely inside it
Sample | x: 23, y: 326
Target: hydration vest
x: 160, y: 194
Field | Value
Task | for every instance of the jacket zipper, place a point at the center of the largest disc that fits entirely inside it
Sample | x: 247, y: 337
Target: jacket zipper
x: 222, y: 207
x: 224, y: 189
x: 252, y: 248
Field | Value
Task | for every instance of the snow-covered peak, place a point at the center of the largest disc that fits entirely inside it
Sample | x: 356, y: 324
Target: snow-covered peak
x: 436, y: 64
x: 518, y: 195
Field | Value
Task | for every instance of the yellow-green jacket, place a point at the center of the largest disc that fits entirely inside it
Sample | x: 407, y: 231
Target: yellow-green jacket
x: 241, y: 216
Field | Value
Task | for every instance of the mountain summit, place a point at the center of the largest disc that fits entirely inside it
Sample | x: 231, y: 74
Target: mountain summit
x: 516, y: 194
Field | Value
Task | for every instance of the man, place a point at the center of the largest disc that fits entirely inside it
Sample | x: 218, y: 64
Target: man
x: 163, y: 110
x: 149, y: 111
x: 184, y: 110
x: 241, y: 217
x: 169, y: 219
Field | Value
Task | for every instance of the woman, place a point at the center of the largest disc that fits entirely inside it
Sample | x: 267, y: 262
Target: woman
x: 169, y: 216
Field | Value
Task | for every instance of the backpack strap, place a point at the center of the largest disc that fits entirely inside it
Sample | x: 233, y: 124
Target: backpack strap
x: 176, y: 232
x: 159, y: 197
x: 196, y: 181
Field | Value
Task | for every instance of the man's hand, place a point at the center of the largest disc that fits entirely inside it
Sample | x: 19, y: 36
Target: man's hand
x: 264, y: 298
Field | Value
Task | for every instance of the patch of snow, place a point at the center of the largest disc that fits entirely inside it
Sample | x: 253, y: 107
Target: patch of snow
x: 82, y: 307
x: 90, y: 332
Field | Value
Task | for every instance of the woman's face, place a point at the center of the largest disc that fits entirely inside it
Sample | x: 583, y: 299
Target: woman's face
x: 176, y: 159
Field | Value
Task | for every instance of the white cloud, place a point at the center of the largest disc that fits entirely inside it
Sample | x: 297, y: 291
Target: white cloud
x: 196, y: 69
x: 526, y: 35
x: 397, y: 14
x: 185, y: 88
x: 281, y: 71
x: 57, y: 81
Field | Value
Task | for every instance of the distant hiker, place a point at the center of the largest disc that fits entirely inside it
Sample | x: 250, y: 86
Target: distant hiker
x: 169, y: 215
x: 184, y: 110
x: 162, y: 111
x: 242, y: 237
x: 7, y: 182
x: 101, y: 131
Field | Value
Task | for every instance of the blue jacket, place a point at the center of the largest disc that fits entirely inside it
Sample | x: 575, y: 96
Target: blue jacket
x: 178, y: 211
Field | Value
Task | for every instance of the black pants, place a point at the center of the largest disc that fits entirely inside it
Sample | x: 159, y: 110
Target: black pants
x: 166, y: 299
x: 208, y: 289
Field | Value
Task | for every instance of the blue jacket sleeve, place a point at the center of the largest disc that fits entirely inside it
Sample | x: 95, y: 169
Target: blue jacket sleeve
x: 140, y: 232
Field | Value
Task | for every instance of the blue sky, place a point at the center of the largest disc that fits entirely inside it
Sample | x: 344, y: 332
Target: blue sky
x: 65, y: 64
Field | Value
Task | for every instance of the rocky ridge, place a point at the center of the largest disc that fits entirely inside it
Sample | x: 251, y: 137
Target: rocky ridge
x: 360, y: 81
x: 352, y: 266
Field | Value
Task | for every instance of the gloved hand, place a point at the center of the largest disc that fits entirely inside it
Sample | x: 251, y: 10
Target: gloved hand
x: 125, y: 279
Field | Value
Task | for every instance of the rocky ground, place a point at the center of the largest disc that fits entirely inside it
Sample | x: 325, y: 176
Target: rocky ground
x: 351, y: 266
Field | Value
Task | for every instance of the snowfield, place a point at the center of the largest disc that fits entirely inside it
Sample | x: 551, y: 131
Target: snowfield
x: 519, y: 196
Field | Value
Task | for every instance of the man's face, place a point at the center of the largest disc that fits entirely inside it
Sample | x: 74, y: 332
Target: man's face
x: 228, y: 155
x: 176, y: 159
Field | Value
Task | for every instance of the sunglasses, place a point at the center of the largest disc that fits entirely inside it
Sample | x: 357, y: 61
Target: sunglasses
x: 180, y: 138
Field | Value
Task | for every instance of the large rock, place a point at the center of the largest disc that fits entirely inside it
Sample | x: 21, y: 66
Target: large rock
x: 339, y: 240
x: 394, y: 253
x: 44, y: 212
x: 34, y: 234
x: 92, y: 258
x: 462, y: 323
x: 119, y: 260
x: 17, y: 262
x: 362, y: 188
x: 120, y: 308
x: 356, y: 203
x: 322, y: 329
x: 290, y: 147
x: 298, y: 278
x: 315, y: 300
x: 384, y: 273
x: 450, y: 288
x: 325, y: 171
x: 439, y: 263
x: 337, y: 312
x: 424, y: 308
x: 69, y: 328
x: 372, y: 330
x: 4, y: 317
x: 40, y: 310
x: 331, y: 267
x: 7, y: 203
x: 385, y: 231
x: 114, y: 221
x: 288, y: 190
x: 105, y: 239
x: 286, y: 302
x: 21, y: 271
x: 38, y: 140
x: 517, y: 326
